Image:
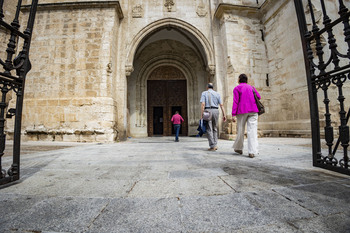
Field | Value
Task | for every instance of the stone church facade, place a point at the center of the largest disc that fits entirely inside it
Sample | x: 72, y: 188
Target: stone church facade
x: 107, y: 70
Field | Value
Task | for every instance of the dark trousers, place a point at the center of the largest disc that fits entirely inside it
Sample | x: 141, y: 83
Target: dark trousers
x: 177, y: 131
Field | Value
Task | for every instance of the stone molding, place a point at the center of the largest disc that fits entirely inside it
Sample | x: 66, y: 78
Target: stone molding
x: 77, y: 5
x: 258, y: 12
x: 169, y: 22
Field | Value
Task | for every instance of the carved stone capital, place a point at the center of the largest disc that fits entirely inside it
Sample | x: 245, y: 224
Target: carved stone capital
x: 129, y: 69
x: 211, y: 69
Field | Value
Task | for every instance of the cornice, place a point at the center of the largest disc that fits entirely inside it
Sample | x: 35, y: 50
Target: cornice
x: 259, y: 11
x: 226, y: 7
x: 78, y: 5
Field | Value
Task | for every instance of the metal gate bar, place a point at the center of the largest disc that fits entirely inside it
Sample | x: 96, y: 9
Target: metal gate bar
x: 322, y: 73
x: 12, y: 78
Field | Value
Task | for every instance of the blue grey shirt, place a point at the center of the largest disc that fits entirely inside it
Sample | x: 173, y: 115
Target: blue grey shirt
x: 215, y: 98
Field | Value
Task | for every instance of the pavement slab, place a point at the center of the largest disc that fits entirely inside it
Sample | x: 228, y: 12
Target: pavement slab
x: 157, y: 185
x: 139, y: 215
x: 38, y: 214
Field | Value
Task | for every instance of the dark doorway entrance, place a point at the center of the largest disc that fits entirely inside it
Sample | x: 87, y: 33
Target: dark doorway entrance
x: 166, y: 93
x: 158, y: 121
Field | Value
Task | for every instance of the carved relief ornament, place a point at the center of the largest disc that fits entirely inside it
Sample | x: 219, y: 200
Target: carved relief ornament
x: 169, y: 4
x: 137, y: 11
x: 201, y: 11
x: 211, y: 69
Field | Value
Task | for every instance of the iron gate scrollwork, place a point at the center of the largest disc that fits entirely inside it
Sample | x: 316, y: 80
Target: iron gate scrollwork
x: 328, y: 69
x: 13, y: 71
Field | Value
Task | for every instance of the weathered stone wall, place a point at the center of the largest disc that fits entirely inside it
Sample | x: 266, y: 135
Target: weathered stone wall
x: 9, y: 9
x: 287, y: 105
x: 70, y: 92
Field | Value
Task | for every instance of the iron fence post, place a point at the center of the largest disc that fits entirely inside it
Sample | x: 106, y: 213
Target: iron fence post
x: 313, y: 102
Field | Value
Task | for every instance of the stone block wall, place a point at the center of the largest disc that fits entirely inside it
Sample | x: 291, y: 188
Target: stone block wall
x: 70, y: 90
x: 287, y: 106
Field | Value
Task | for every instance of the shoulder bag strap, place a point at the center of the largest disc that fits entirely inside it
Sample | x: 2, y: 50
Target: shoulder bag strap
x: 255, y: 96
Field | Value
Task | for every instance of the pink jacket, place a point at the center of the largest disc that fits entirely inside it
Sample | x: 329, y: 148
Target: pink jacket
x: 243, y: 99
x: 177, y: 119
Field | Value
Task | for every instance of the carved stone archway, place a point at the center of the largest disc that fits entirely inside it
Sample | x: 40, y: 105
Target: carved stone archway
x: 203, y: 43
x: 191, y: 84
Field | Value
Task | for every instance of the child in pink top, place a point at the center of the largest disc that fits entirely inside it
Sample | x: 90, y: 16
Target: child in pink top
x: 177, y: 120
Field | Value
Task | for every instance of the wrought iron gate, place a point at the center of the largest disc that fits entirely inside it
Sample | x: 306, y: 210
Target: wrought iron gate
x: 13, y: 73
x: 328, y: 68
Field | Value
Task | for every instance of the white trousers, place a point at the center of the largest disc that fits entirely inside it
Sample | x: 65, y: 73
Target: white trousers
x: 251, y: 119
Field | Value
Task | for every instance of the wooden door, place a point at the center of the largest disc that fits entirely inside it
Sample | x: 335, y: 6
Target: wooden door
x: 177, y: 99
x: 169, y: 95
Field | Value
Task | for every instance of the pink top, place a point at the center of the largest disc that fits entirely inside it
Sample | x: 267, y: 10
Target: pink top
x: 243, y: 99
x: 177, y: 119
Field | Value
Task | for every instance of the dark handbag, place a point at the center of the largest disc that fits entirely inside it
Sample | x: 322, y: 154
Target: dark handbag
x: 260, y: 106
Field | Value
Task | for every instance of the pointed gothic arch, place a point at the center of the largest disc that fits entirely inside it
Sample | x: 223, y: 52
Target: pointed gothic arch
x: 200, y: 40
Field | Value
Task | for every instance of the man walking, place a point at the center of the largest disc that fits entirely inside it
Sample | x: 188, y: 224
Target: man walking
x: 211, y: 101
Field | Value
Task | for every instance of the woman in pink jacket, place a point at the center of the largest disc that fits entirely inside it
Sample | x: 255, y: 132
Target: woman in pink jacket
x: 246, y: 111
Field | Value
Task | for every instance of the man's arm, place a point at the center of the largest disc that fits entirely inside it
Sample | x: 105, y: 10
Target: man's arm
x: 223, y: 112
x: 202, y: 109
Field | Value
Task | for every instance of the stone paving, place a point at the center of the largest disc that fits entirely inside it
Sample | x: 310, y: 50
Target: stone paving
x: 157, y: 185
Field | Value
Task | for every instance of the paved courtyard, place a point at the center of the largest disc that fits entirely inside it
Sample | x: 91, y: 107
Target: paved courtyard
x: 157, y: 185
